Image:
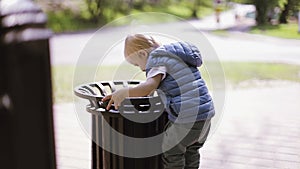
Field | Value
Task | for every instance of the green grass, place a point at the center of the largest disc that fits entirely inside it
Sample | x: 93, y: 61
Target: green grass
x: 62, y: 79
x: 67, y: 21
x: 289, y: 31
x: 220, y: 32
x: 235, y: 72
x: 141, y: 19
x: 243, y: 71
x: 176, y: 14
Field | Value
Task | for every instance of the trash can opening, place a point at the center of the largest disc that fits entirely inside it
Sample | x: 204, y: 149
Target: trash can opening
x: 136, y: 109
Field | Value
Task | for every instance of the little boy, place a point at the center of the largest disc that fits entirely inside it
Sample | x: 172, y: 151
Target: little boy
x: 172, y: 69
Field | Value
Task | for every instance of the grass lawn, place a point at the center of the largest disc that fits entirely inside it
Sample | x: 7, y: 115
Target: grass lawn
x: 235, y: 72
x: 219, y: 32
x: 67, y: 21
x: 289, y: 31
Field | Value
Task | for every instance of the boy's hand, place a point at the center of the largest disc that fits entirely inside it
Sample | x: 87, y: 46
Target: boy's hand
x: 116, y: 97
x: 143, y: 89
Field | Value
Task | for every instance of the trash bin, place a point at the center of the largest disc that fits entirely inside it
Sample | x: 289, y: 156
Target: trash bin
x: 125, y: 121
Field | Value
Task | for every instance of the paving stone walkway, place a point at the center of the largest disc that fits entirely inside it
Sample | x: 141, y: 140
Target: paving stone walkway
x: 259, y: 130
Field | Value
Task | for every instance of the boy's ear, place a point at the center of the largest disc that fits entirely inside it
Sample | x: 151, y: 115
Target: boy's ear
x: 142, y: 53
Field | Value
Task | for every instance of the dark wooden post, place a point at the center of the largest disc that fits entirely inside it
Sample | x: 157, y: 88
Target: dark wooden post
x: 26, y: 119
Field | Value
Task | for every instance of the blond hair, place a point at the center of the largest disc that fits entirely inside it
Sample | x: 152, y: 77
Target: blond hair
x: 137, y: 42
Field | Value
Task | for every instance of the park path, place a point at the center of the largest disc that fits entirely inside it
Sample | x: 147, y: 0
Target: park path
x: 235, y: 45
x: 259, y: 128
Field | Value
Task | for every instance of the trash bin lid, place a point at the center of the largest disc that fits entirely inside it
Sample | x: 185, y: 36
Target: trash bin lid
x: 131, y: 106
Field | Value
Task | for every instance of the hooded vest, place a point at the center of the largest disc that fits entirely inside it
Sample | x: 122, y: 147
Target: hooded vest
x: 183, y: 91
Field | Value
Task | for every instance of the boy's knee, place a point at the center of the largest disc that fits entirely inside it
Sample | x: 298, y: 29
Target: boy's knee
x: 173, y: 150
x: 173, y: 161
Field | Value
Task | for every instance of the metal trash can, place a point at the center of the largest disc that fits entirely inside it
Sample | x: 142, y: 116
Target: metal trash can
x: 123, y: 121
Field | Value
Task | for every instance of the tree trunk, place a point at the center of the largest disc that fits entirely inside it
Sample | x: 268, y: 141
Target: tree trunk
x: 261, y: 17
x: 262, y: 7
x: 195, y: 9
x: 285, y: 13
x: 95, y: 8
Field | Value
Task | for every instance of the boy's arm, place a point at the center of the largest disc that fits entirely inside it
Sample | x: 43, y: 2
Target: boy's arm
x: 143, y: 89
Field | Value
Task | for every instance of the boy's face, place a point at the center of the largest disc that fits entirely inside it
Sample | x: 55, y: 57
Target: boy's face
x: 138, y: 59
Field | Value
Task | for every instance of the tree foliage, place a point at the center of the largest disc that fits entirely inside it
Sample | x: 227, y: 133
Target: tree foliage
x: 263, y: 7
x: 105, y: 10
x: 289, y: 8
x: 108, y: 9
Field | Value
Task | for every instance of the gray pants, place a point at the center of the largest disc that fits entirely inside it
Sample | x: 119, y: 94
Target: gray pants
x: 181, y: 144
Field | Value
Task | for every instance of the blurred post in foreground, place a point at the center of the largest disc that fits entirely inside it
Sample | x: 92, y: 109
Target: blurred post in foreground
x: 26, y: 122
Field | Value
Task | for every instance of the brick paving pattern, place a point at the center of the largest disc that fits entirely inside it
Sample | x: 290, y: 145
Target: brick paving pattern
x: 259, y: 130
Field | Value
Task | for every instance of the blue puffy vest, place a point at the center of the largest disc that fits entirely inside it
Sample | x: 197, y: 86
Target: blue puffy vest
x: 183, y: 90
